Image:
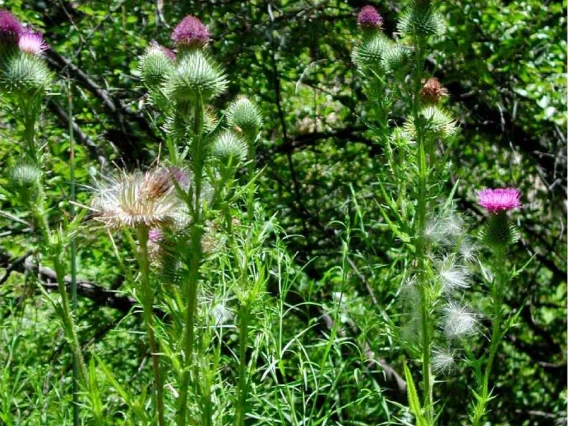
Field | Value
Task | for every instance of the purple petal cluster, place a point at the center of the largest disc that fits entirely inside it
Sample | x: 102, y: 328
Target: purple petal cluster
x: 369, y: 18
x: 191, y: 32
x: 501, y: 199
x: 170, y: 54
x: 32, y: 43
x: 10, y: 27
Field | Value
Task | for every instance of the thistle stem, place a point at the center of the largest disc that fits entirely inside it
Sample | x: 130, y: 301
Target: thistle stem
x: 496, y: 335
x: 198, y: 159
x: 242, y: 389
x: 147, y: 306
x: 425, y: 303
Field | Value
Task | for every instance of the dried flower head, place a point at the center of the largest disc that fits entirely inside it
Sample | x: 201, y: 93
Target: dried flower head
x: 501, y: 199
x: 458, y: 321
x: 191, y: 32
x: 369, y: 18
x: 139, y: 199
x: 10, y: 27
x: 442, y: 361
x: 433, y: 91
x: 452, y: 276
x: 32, y: 43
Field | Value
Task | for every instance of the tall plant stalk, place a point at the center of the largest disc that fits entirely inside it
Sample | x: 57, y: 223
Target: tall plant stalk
x: 148, y: 306
x: 191, y: 284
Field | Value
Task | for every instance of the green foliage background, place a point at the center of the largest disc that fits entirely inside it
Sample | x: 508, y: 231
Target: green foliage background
x: 504, y: 66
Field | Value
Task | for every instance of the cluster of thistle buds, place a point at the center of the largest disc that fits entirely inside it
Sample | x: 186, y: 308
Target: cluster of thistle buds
x: 22, y: 70
x: 185, y: 78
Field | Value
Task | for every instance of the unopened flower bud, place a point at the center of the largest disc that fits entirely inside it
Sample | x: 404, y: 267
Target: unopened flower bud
x: 196, y: 76
x: 244, y: 117
x: 156, y: 64
x: 230, y: 150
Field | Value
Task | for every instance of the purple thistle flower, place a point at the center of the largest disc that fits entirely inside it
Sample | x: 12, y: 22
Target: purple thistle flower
x: 369, y: 18
x: 498, y: 200
x: 191, y: 32
x: 32, y: 43
x: 10, y: 27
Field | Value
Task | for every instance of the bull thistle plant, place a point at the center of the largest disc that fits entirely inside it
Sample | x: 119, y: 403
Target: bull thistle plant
x: 172, y: 208
x: 200, y: 256
x: 406, y: 113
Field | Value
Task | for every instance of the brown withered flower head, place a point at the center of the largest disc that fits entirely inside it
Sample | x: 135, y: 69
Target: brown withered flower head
x: 433, y: 91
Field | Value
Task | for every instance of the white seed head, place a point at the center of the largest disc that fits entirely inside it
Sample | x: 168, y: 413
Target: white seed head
x: 140, y: 199
x: 452, y: 276
x: 468, y: 251
x: 459, y: 321
x: 443, y: 361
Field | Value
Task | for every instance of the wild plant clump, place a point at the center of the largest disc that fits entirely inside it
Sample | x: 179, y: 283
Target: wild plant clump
x: 229, y: 321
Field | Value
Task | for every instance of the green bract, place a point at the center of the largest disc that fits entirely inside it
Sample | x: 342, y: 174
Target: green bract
x: 439, y: 123
x: 196, y: 77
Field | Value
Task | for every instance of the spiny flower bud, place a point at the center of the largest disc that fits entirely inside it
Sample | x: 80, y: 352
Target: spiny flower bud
x: 196, y: 77
x: 24, y: 180
x: 369, y: 19
x: 156, y: 64
x: 439, y: 123
x: 229, y: 149
x: 244, y: 117
x: 422, y: 20
x: 432, y: 91
x: 25, y: 75
x: 10, y: 27
x: 190, y: 33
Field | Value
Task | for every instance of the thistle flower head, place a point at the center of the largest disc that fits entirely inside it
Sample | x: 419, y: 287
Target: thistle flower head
x: 459, y: 321
x: 432, y: 91
x: 32, y: 43
x: 10, y: 27
x: 156, y: 64
x: 191, y: 33
x: 369, y: 18
x: 139, y: 199
x: 229, y: 149
x: 498, y: 200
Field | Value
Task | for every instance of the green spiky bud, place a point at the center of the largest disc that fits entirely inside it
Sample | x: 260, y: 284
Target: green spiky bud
x: 24, y: 181
x: 244, y: 117
x: 421, y: 19
x: 25, y: 75
x: 196, y: 76
x: 437, y: 123
x: 229, y: 150
x: 155, y: 65
x: 395, y: 58
x: 370, y: 52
